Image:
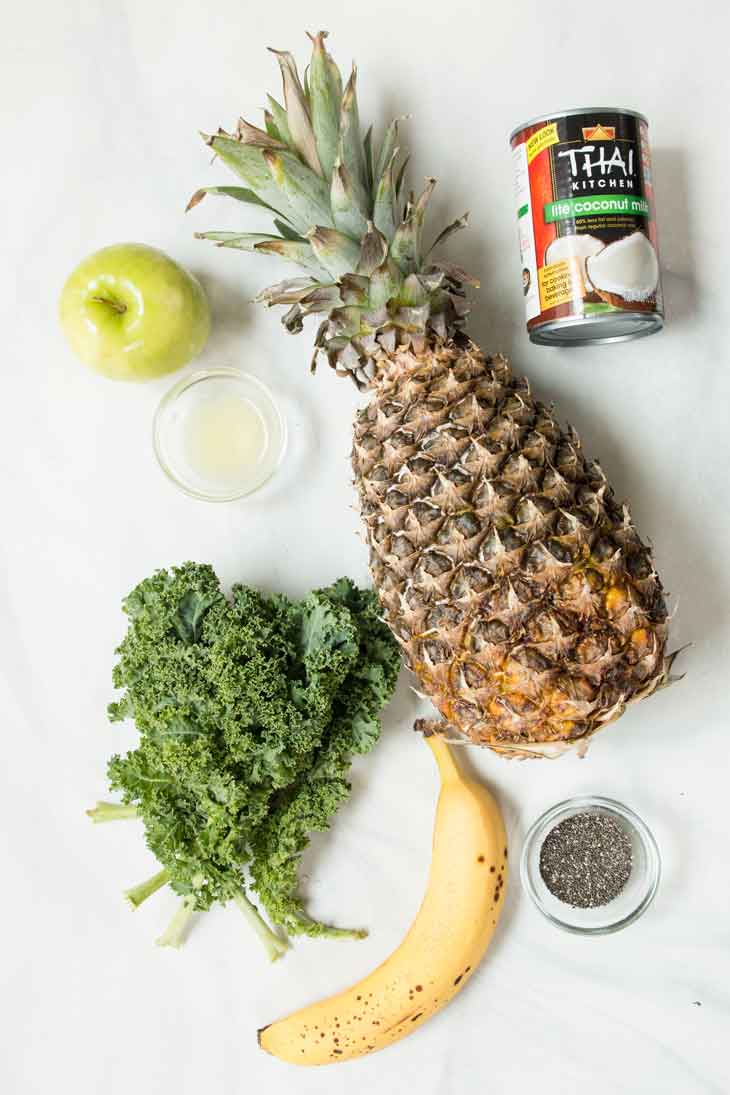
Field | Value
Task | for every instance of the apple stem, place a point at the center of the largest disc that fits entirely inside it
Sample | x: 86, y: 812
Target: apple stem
x: 121, y: 308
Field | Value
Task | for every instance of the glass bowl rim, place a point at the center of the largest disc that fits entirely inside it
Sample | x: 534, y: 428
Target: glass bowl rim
x: 189, y: 381
x: 572, y: 805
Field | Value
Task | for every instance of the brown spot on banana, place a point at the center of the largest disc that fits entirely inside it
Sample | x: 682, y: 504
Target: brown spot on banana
x: 451, y: 932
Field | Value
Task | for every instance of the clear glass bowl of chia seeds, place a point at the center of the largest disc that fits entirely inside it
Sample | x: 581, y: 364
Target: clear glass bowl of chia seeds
x: 603, y: 861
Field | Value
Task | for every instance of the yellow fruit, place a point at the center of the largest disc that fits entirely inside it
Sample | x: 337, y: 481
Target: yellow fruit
x: 443, y: 947
x: 505, y: 567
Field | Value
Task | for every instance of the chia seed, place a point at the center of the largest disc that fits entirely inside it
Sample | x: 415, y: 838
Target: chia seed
x: 586, y: 860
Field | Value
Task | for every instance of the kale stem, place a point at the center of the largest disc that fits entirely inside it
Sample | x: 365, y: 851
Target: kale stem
x: 137, y: 894
x: 176, y: 931
x: 274, y: 944
x: 111, y: 811
x: 331, y: 932
x: 301, y: 924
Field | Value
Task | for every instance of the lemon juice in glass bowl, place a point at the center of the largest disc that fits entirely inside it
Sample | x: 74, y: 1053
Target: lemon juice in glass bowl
x: 219, y: 434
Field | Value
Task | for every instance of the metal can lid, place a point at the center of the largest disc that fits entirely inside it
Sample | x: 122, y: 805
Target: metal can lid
x: 584, y: 330
x: 591, y: 110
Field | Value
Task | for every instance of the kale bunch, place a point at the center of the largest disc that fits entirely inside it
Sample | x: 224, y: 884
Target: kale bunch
x: 249, y: 710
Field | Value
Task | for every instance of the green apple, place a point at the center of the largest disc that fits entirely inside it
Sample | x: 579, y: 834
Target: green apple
x: 132, y: 313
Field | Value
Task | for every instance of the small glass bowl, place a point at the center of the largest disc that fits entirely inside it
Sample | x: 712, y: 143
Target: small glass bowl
x: 172, y: 419
x: 638, y: 892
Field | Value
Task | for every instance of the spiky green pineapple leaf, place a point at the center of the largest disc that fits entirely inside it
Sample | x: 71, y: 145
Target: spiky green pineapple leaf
x: 385, y: 283
x: 296, y: 251
x: 406, y: 245
x: 346, y: 321
x: 385, y: 153
x: 412, y: 319
x: 350, y: 148
x: 240, y: 193
x: 334, y: 250
x: 280, y: 120
x: 335, y: 76
x: 271, y: 127
x: 325, y: 96
x: 373, y: 251
x: 248, y: 163
x: 367, y: 148
x: 456, y: 273
x: 254, y: 137
x: 412, y: 293
x: 355, y: 289
x: 384, y: 211
x: 455, y: 226
x: 306, y: 193
x: 348, y: 216
x: 419, y: 209
x: 401, y: 178
x: 242, y: 241
x: 322, y: 298
x: 297, y: 111
x: 289, y: 291
x: 286, y: 230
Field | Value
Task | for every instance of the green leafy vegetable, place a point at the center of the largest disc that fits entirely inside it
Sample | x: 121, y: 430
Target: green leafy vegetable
x: 249, y: 711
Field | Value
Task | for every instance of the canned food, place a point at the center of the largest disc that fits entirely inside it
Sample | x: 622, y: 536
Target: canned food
x: 587, y: 229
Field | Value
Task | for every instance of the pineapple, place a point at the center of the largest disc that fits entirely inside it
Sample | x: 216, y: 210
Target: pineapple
x: 519, y: 590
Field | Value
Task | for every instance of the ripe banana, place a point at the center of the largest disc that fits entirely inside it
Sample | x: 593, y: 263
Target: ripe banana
x: 441, y: 950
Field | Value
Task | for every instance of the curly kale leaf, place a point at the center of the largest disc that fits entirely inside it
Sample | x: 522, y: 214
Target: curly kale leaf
x: 249, y: 710
x: 279, y: 843
x: 309, y: 805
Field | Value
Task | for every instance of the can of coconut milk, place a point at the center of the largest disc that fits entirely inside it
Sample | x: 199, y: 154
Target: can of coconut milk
x: 585, y: 213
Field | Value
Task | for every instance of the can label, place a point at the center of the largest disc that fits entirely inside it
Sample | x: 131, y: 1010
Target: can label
x: 585, y: 214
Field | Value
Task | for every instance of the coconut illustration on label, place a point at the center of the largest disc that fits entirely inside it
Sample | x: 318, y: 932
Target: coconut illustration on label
x: 626, y: 272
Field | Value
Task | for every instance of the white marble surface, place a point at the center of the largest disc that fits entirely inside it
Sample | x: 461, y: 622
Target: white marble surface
x: 100, y: 107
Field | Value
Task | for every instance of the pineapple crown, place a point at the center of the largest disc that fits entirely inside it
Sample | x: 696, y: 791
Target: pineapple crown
x: 339, y: 212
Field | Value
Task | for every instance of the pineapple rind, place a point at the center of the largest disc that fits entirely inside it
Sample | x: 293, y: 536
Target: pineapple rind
x: 519, y: 590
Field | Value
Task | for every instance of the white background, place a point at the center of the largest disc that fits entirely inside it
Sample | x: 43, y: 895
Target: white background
x: 101, y: 103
